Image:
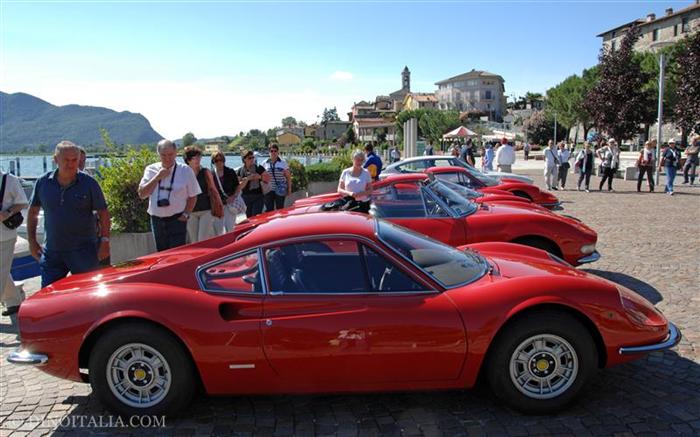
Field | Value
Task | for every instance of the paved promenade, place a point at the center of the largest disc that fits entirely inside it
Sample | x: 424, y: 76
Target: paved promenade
x: 649, y: 243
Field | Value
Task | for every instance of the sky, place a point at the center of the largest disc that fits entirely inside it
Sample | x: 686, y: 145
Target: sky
x: 221, y: 67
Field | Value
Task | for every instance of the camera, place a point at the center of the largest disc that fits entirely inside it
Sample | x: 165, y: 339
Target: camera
x: 163, y: 203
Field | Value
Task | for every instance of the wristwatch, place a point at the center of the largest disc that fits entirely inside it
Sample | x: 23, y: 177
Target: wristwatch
x: 185, y: 214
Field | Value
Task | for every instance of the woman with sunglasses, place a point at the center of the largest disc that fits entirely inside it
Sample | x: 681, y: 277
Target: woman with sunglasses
x: 252, y: 178
x: 229, y: 187
x: 280, y: 182
x: 208, y: 208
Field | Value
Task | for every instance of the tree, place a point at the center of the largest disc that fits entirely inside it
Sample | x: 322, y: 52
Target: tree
x: 567, y: 100
x: 434, y: 123
x: 687, y: 113
x: 188, y: 139
x: 350, y: 135
x: 329, y: 115
x: 619, y: 101
x: 533, y: 98
x: 289, y: 121
x: 540, y: 128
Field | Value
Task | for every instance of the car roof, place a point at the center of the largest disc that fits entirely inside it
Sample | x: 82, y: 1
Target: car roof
x: 419, y: 158
x: 305, y: 225
x: 451, y: 169
x: 400, y: 177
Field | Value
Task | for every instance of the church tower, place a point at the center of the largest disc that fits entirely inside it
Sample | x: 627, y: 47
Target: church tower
x: 406, y: 79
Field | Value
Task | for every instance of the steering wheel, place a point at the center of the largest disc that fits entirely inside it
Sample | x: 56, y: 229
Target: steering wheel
x: 385, y: 277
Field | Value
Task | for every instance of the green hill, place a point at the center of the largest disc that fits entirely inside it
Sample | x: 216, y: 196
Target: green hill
x: 27, y: 122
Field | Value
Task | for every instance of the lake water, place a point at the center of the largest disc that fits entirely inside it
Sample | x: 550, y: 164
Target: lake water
x: 32, y: 166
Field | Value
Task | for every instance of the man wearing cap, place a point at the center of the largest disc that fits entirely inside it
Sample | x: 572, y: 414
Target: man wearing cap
x: 505, y: 156
x: 671, y: 160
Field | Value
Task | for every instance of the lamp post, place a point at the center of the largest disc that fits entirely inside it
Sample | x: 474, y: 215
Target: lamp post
x: 555, y: 129
x: 658, y: 46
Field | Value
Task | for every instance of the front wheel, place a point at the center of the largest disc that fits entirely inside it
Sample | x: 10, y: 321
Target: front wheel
x: 540, y: 364
x: 141, y: 370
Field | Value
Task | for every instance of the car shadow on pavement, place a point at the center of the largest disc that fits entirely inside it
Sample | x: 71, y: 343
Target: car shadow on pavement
x: 642, y: 288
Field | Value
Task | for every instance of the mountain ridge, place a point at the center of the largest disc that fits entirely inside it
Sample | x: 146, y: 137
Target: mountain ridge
x: 27, y: 122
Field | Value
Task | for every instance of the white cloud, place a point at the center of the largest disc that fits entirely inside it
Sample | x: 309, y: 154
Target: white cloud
x: 341, y: 75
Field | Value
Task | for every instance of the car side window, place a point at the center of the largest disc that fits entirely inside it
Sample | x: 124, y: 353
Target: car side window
x: 414, y: 166
x: 466, y: 181
x: 236, y: 275
x: 323, y: 266
x: 385, y: 277
x: 398, y: 201
x: 433, y: 208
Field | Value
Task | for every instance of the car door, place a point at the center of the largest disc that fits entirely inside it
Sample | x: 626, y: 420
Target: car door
x: 334, y: 319
x: 234, y: 343
x: 411, y: 206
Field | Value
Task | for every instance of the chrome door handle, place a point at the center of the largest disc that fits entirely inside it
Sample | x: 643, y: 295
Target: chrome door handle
x: 268, y: 322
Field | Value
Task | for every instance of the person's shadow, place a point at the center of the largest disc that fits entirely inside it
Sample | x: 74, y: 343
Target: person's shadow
x: 640, y: 287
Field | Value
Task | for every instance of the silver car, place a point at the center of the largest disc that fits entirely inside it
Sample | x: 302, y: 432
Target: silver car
x: 419, y: 164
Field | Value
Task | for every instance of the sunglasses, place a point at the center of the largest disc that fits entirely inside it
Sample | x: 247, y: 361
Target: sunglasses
x: 218, y: 160
x: 274, y: 150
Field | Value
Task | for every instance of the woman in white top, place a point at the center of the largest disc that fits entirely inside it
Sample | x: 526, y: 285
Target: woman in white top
x: 356, y: 182
x: 563, y: 155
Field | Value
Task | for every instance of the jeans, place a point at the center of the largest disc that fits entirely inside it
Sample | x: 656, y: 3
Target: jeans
x: 649, y: 170
x: 587, y: 175
x: 254, y: 203
x: 608, y: 175
x: 55, y: 264
x: 168, y: 232
x: 670, y: 177
x: 563, y: 172
x: 689, y: 170
x: 273, y: 201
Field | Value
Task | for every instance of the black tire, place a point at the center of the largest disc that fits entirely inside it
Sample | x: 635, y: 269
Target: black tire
x: 553, y: 324
x: 540, y: 243
x: 181, y: 369
x: 522, y: 194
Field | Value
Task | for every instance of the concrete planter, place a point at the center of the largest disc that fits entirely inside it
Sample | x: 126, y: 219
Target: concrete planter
x: 315, y: 188
x: 128, y: 246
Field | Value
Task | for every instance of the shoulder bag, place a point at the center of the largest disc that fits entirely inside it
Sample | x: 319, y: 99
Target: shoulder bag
x: 237, y: 206
x: 16, y: 219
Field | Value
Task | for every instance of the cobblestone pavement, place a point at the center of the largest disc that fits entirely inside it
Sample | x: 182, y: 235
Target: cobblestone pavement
x: 649, y: 243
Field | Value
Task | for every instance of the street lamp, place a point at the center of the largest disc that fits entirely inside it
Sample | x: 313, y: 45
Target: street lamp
x: 658, y: 47
x: 555, y: 129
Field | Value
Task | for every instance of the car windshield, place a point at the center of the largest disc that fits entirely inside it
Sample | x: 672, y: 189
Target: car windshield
x: 454, y: 200
x: 489, y: 181
x: 448, y: 266
x: 461, y: 189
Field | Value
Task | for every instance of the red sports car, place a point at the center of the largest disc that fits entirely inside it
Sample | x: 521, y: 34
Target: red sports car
x: 478, y: 181
x: 335, y: 302
x: 435, y: 210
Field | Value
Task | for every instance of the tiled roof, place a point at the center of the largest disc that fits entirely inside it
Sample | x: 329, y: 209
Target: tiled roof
x: 470, y: 75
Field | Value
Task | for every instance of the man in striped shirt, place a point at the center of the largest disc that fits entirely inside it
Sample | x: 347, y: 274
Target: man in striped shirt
x: 281, y: 181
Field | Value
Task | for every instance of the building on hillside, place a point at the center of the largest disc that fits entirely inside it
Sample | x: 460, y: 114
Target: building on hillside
x: 473, y: 91
x: 212, y: 146
x: 419, y: 101
x: 375, y: 130
x: 332, y: 130
x: 286, y: 137
x: 670, y: 27
x: 310, y: 130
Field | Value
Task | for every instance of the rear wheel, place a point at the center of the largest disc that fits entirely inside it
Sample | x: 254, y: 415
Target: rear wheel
x: 138, y: 369
x: 540, y: 364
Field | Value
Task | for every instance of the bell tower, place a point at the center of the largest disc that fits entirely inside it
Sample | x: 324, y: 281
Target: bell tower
x: 406, y: 79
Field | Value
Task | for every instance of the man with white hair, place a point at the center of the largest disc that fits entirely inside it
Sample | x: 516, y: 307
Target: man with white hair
x: 505, y: 156
x: 68, y: 198
x: 171, y: 189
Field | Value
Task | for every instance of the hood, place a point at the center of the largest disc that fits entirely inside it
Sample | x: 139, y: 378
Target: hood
x: 525, y: 210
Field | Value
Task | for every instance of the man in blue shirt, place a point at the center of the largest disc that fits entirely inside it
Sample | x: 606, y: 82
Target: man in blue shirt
x: 373, y: 164
x: 68, y: 197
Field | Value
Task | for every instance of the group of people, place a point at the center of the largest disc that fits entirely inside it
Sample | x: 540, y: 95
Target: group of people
x: 608, y: 154
x: 191, y: 202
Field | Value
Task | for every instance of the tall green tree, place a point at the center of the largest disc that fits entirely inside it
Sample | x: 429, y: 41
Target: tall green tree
x: 289, y: 121
x: 329, y: 115
x: 619, y: 101
x: 188, y: 139
x: 540, y: 128
x: 567, y: 100
x: 687, y: 111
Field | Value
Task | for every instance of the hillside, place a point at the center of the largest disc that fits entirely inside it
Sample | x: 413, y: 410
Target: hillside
x: 28, y: 122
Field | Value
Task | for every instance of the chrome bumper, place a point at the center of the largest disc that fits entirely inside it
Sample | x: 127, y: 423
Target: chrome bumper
x: 21, y: 356
x: 674, y: 337
x: 595, y: 256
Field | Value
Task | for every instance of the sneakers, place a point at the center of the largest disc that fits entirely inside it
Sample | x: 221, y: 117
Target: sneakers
x: 11, y: 310
x: 587, y: 190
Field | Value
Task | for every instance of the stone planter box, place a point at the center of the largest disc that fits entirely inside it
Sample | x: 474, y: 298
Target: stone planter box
x: 128, y: 246
x: 315, y: 188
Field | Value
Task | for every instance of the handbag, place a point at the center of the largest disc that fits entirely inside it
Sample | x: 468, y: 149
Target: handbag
x: 280, y: 188
x: 217, y: 207
x: 238, y: 205
x: 16, y: 219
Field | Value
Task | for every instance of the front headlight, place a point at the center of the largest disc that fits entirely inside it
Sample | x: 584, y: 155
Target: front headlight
x: 588, y: 249
x: 639, y: 310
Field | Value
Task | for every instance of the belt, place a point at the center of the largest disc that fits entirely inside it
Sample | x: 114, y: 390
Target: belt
x: 169, y: 218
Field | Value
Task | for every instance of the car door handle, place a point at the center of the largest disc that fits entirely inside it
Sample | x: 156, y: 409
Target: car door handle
x: 268, y: 322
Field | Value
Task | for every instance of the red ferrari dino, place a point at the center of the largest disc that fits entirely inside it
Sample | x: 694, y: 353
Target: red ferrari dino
x: 335, y: 302
x: 478, y: 181
x: 434, y: 209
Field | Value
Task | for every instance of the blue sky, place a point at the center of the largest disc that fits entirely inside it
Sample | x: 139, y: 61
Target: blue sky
x: 217, y: 68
